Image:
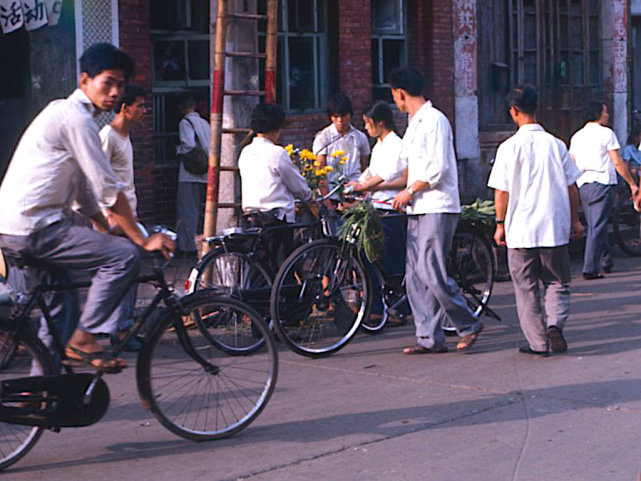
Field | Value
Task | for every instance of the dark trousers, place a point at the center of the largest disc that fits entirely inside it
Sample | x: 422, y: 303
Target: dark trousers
x: 395, y: 233
x: 597, y: 200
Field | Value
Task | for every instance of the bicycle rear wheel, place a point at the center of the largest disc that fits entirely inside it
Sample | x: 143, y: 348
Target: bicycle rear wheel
x: 320, y: 297
x: 236, y: 274
x: 626, y: 224
x: 196, y: 389
x: 472, y: 265
x: 28, y: 357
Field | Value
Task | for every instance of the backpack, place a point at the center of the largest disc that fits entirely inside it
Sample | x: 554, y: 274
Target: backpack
x: 196, y: 160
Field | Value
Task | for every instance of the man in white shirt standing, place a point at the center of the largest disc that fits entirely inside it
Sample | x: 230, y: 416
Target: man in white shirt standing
x: 193, y: 130
x: 536, y: 212
x: 130, y: 111
x: 57, y: 164
x: 595, y: 149
x: 270, y: 181
x: 432, y: 202
x: 341, y: 137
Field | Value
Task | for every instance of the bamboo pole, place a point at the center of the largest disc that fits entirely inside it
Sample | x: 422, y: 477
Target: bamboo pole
x: 216, y: 121
x: 271, y: 49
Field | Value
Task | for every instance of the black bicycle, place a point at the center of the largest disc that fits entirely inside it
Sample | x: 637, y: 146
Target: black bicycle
x: 194, y: 388
x: 323, y: 293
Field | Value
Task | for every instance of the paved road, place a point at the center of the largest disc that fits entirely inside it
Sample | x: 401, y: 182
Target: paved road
x: 370, y: 413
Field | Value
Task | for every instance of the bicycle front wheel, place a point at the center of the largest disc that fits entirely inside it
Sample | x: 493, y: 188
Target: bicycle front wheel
x: 320, y: 297
x: 472, y: 265
x: 22, y: 357
x: 236, y: 274
x: 196, y: 389
x: 626, y: 224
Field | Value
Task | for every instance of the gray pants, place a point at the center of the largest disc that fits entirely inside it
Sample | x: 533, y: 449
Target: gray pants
x: 597, y: 200
x: 531, y: 269
x: 189, y: 213
x: 431, y: 293
x: 113, y: 261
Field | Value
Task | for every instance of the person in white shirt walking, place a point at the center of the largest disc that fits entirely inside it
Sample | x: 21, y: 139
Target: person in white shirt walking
x: 193, y: 131
x: 59, y: 163
x: 536, y: 212
x: 270, y: 182
x: 432, y: 202
x: 595, y: 149
x: 129, y: 113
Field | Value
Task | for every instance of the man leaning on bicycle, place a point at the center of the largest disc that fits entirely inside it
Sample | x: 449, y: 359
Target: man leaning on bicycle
x: 59, y: 165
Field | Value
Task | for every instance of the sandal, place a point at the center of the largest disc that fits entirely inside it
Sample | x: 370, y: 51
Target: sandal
x: 418, y: 349
x: 468, y: 341
x: 104, y: 361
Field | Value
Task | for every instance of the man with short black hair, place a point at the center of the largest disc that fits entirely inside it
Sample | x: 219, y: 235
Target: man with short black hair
x: 432, y: 202
x: 270, y: 182
x: 130, y: 110
x: 341, y: 137
x: 59, y: 163
x: 536, y: 213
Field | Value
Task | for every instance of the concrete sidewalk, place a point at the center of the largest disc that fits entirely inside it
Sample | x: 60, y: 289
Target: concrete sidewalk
x: 371, y: 413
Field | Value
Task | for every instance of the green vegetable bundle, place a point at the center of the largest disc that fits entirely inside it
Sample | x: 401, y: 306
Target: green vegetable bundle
x: 481, y: 211
x: 364, y: 219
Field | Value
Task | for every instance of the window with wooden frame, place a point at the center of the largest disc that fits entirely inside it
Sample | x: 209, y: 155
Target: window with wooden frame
x: 302, y: 66
x: 389, y: 44
x: 180, y: 66
x: 556, y: 46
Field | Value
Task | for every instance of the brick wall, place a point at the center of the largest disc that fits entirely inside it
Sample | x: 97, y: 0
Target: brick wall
x: 155, y: 185
x: 354, y: 51
x: 439, y: 69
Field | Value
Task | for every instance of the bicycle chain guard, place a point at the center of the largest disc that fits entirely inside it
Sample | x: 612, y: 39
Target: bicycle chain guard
x: 53, y: 401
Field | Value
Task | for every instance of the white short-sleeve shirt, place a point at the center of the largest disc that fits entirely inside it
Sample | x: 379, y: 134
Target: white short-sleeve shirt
x: 386, y: 162
x: 534, y: 167
x: 590, y: 148
x: 121, y: 156
x: 353, y: 143
x: 270, y: 180
x: 428, y: 151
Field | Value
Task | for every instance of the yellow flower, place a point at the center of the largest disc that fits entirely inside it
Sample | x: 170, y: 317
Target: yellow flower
x: 328, y: 168
x: 319, y: 173
x: 290, y: 149
x: 306, y: 154
x: 338, y: 153
x: 341, y: 162
x: 345, y: 158
x: 317, y: 163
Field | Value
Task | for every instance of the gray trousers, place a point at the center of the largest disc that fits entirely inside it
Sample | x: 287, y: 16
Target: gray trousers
x: 597, y: 200
x: 431, y: 293
x: 189, y: 213
x: 113, y: 261
x: 541, y: 279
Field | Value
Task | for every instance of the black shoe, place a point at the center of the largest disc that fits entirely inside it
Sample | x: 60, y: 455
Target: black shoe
x: 589, y: 276
x: 557, y: 341
x: 526, y: 350
x: 607, y: 269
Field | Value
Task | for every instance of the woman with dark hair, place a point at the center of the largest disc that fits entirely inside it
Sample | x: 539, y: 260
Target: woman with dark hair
x: 595, y: 150
x: 385, y: 177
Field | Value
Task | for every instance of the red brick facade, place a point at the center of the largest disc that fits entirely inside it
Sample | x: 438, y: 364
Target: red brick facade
x: 430, y: 48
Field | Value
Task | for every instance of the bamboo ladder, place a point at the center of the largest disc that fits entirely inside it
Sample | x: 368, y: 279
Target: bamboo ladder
x: 219, y: 93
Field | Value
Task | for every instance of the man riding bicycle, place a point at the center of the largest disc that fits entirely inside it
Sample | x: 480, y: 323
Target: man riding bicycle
x: 58, y: 167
